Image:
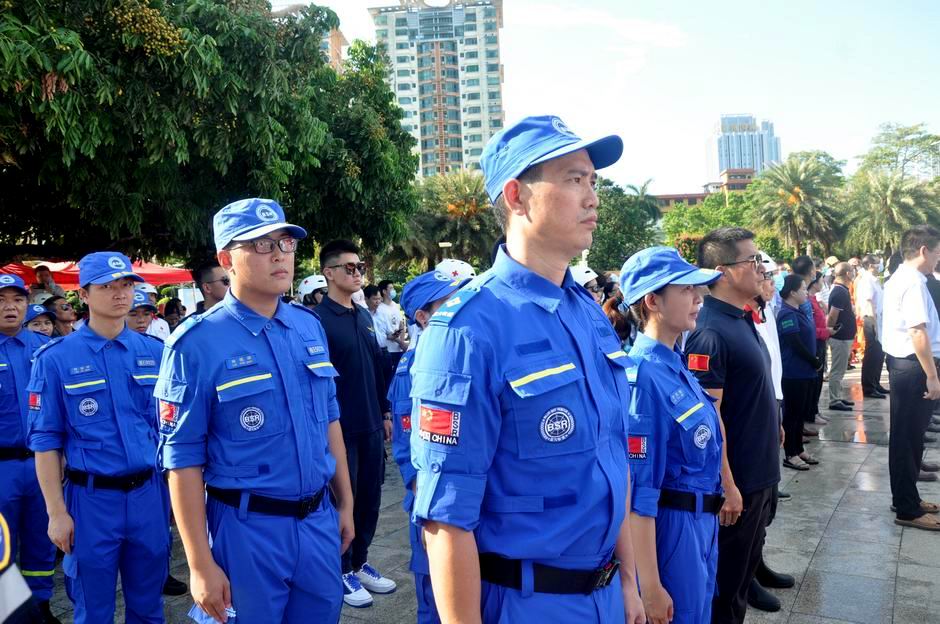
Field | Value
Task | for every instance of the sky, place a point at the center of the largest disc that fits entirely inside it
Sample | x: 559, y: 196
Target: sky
x: 827, y: 73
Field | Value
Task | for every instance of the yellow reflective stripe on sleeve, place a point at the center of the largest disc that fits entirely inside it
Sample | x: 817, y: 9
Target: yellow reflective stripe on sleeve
x: 146, y: 376
x: 84, y: 384
x: 690, y: 411
x: 319, y: 365
x: 3, y: 365
x: 617, y: 354
x: 243, y: 380
x: 37, y: 572
x: 548, y: 372
x: 5, y: 546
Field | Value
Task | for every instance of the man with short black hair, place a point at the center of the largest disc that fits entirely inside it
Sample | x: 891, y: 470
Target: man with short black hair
x: 396, y: 341
x: 869, y: 301
x: 733, y: 365
x: 842, y: 318
x: 212, y: 282
x: 364, y: 411
x: 373, y: 301
x: 45, y: 284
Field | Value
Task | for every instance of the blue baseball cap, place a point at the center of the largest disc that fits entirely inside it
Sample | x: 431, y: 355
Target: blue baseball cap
x: 425, y: 289
x: 248, y: 219
x: 103, y: 267
x: 8, y: 280
x: 649, y: 270
x: 142, y: 300
x: 37, y: 309
x: 534, y: 140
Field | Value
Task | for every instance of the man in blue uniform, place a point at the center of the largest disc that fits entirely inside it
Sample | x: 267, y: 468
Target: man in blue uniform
x: 91, y: 399
x: 520, y: 404
x: 20, y: 498
x: 252, y: 439
x: 420, y: 299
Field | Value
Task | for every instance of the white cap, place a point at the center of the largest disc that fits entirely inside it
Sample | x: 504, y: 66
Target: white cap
x: 40, y: 297
x: 769, y: 265
x: 582, y: 274
x: 457, y: 269
x: 148, y: 288
x: 310, y: 284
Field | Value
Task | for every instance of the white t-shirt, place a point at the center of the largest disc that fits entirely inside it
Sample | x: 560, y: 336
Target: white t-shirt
x: 380, y: 327
x: 391, y: 315
x: 907, y: 303
x: 768, y: 333
x: 159, y: 328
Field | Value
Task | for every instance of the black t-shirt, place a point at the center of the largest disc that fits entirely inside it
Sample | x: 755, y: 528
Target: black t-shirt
x: 360, y: 387
x: 840, y: 298
x: 724, y: 351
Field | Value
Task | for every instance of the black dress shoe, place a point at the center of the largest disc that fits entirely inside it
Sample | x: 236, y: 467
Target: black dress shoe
x: 929, y: 467
x: 847, y: 402
x: 927, y: 476
x: 839, y: 406
x: 784, y: 496
x: 46, y: 612
x: 761, y: 599
x: 174, y: 587
x: 850, y: 367
x: 875, y: 395
x: 775, y: 580
x: 882, y: 390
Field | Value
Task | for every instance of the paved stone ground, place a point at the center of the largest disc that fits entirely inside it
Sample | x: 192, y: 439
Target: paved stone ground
x: 836, y: 536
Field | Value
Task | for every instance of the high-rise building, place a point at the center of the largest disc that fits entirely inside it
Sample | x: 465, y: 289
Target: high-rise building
x: 333, y: 46
x: 447, y: 76
x: 742, y: 143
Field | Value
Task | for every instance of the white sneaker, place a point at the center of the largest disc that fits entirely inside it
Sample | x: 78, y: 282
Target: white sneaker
x: 373, y: 580
x: 354, y: 594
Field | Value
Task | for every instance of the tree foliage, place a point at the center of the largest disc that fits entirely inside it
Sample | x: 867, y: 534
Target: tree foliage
x: 715, y: 211
x: 906, y: 151
x: 127, y: 123
x: 624, y: 227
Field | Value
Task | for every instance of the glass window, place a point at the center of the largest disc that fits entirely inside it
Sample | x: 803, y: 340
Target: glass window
x: 476, y: 123
x: 405, y: 86
x: 401, y: 21
x: 381, y: 20
x: 401, y: 45
x: 493, y: 95
x: 470, y: 27
x: 452, y: 100
x: 489, y: 39
x: 470, y: 41
x: 492, y: 67
x: 492, y: 54
x: 454, y: 142
x: 426, y: 74
x: 473, y: 96
x: 474, y: 138
x: 490, y: 27
x: 489, y: 12
x: 492, y: 80
x: 476, y: 151
x: 496, y: 123
x: 405, y: 100
x: 473, y: 82
x: 472, y: 68
x: 456, y: 157
x: 381, y: 33
x: 427, y: 101
x: 472, y: 54
x: 401, y: 32
x: 453, y: 128
x: 473, y: 110
x: 403, y: 72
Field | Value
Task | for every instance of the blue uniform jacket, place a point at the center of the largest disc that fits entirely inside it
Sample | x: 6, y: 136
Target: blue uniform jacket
x: 250, y: 399
x: 675, y: 439
x: 93, y: 398
x: 399, y: 397
x: 16, y: 353
x: 519, y: 417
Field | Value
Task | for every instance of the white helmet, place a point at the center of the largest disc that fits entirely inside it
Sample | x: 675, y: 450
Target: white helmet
x: 457, y: 269
x: 769, y: 265
x: 40, y: 297
x: 310, y: 284
x: 148, y: 288
x: 583, y: 274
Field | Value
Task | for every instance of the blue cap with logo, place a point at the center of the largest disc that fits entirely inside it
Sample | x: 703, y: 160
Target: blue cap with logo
x: 649, y: 270
x: 426, y: 289
x: 248, y: 219
x: 142, y: 300
x: 535, y: 140
x: 103, y: 267
x: 8, y: 280
x: 37, y: 309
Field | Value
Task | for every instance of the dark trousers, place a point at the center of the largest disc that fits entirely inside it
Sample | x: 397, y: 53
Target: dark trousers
x: 821, y: 351
x: 797, y: 409
x: 874, y: 358
x: 365, y: 455
x: 739, y: 551
x: 910, y: 416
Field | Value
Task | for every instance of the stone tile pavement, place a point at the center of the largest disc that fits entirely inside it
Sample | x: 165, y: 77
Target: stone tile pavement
x: 836, y: 536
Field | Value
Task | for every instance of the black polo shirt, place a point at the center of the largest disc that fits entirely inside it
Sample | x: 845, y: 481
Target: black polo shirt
x: 725, y: 352
x: 840, y: 298
x: 360, y: 387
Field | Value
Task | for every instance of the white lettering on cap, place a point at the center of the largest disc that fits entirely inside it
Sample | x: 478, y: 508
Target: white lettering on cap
x: 115, y: 262
x: 7, y: 279
x: 266, y: 213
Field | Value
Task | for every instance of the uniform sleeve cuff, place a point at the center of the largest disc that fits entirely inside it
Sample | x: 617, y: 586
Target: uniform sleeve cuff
x: 645, y: 501
x: 41, y: 442
x: 453, y: 499
x: 183, y: 455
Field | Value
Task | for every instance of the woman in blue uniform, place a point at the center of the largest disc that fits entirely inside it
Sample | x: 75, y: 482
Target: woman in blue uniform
x: 675, y: 442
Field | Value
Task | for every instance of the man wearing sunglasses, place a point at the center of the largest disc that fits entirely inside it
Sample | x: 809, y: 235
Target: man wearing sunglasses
x: 65, y: 315
x: 213, y: 282
x: 252, y: 439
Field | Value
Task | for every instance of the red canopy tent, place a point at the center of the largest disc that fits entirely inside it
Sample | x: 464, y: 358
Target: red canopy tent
x: 65, y: 274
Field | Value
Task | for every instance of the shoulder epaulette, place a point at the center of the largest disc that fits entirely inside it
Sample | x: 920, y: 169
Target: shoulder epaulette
x: 299, y: 306
x: 446, y: 313
x: 157, y: 338
x: 181, y: 329
x: 44, y: 348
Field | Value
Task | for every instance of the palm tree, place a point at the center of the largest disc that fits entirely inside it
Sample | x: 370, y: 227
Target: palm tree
x: 794, y: 200
x: 884, y: 204
x: 644, y: 201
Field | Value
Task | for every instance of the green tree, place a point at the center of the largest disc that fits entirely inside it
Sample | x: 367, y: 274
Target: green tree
x: 715, y: 211
x: 623, y: 227
x: 127, y: 123
x: 908, y: 151
x: 643, y: 200
x: 884, y: 204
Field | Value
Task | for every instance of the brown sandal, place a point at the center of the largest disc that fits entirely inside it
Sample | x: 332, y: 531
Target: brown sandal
x: 927, y: 522
x: 931, y: 508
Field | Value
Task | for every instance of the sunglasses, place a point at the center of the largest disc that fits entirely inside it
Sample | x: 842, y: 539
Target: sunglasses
x: 351, y: 267
x: 267, y: 245
x: 225, y: 280
x: 65, y: 307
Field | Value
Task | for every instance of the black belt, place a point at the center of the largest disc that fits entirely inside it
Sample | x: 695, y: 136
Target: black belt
x: 546, y: 579
x: 685, y: 501
x: 299, y: 509
x: 15, y: 452
x: 124, y: 483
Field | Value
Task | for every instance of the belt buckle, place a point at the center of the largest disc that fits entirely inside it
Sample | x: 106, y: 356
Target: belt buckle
x: 604, y: 575
x: 305, y: 508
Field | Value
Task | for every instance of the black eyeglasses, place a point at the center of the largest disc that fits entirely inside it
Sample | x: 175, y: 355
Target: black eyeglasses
x: 756, y: 260
x: 595, y: 289
x: 226, y: 281
x: 266, y: 245
x: 351, y: 267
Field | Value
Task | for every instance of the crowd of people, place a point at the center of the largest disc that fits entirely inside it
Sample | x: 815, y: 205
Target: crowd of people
x: 574, y: 446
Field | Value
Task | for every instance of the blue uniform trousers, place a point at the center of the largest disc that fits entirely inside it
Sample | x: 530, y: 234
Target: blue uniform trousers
x: 687, y: 553
x: 280, y: 569
x: 118, y: 531
x: 21, y: 503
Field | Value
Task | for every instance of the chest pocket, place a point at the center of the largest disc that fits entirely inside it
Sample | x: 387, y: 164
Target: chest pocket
x: 318, y: 376
x: 6, y: 379
x: 247, y: 406
x: 697, y: 431
x: 142, y: 384
x: 87, y: 401
x: 549, y: 412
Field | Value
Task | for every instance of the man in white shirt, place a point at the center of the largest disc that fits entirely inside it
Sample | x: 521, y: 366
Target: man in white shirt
x: 911, y: 340
x: 869, y: 305
x: 158, y: 327
x: 373, y: 301
x: 396, y: 342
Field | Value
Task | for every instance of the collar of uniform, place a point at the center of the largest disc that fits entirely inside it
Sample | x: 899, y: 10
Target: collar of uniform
x: 724, y: 307
x: 336, y: 308
x: 97, y: 341
x: 528, y: 284
x: 19, y: 336
x: 661, y: 352
x: 252, y: 321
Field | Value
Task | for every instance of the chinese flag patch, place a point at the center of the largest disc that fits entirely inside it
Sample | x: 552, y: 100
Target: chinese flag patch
x: 168, y: 416
x: 406, y: 423
x: 35, y: 401
x: 440, y: 426
x: 636, y: 447
x: 698, y: 362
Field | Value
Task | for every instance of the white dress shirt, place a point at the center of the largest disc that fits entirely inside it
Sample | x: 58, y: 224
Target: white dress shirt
x: 768, y: 333
x: 391, y: 315
x: 907, y: 304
